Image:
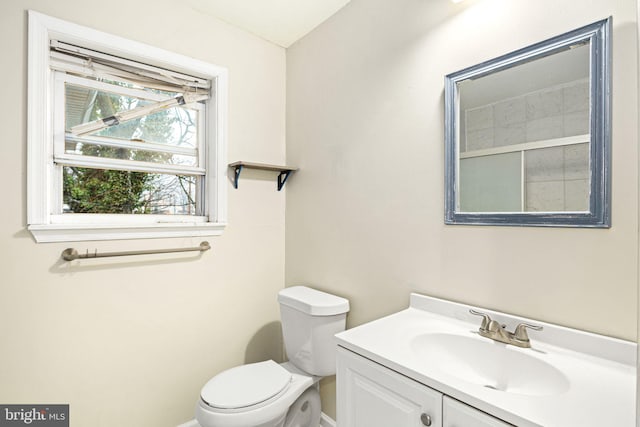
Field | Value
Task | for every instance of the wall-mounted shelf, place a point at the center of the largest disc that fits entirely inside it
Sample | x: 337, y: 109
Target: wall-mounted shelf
x: 284, y: 171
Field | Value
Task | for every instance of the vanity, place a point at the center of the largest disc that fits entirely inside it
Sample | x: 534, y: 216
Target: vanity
x: 428, y: 365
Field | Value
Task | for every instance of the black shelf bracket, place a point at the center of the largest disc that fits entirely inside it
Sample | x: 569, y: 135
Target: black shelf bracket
x: 236, y: 177
x: 282, y: 178
x: 283, y: 171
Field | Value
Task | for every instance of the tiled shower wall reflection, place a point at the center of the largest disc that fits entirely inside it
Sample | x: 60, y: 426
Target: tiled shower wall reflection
x: 555, y: 178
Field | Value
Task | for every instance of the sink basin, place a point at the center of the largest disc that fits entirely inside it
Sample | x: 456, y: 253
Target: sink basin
x: 489, y: 364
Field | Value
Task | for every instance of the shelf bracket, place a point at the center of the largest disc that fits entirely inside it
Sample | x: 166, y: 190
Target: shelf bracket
x: 283, y: 171
x: 282, y: 178
x: 238, y: 169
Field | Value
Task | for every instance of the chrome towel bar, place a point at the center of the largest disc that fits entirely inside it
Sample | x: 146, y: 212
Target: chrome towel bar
x: 71, y: 254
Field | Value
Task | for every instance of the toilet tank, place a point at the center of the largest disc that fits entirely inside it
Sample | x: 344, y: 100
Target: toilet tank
x: 310, y: 319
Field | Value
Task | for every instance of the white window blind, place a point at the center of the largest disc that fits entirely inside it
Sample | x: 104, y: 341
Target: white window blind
x: 90, y: 63
x: 63, y: 157
x: 84, y: 62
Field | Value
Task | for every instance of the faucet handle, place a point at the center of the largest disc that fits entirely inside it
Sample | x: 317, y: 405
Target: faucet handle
x: 484, y: 326
x: 520, y: 333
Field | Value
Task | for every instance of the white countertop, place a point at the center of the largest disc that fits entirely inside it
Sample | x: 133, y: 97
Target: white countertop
x: 601, y: 370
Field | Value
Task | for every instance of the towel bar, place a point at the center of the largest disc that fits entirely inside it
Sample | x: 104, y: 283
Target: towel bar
x: 71, y: 254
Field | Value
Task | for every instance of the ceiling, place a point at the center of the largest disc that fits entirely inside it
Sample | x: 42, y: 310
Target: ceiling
x: 282, y: 22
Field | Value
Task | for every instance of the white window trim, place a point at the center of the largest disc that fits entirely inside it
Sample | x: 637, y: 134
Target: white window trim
x: 42, y: 222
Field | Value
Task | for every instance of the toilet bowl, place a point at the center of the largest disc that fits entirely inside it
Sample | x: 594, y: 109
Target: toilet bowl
x: 254, y: 395
x: 268, y: 394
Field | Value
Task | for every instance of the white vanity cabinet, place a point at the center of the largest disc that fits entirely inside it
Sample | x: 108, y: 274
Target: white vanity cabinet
x: 427, y: 365
x: 371, y: 395
x: 457, y: 414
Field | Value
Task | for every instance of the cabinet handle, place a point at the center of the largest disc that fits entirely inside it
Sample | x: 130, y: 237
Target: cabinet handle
x: 426, y: 419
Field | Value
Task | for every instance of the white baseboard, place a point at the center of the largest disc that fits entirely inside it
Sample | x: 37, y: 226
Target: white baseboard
x: 325, y: 421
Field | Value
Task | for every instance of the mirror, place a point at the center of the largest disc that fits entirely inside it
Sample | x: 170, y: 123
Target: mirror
x: 527, y: 135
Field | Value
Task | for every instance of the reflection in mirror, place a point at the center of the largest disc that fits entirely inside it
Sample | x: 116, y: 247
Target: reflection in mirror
x: 520, y: 149
x: 527, y: 135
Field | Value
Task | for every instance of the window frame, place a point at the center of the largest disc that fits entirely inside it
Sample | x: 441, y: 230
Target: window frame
x: 42, y: 182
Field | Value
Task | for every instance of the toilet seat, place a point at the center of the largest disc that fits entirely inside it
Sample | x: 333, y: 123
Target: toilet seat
x: 245, y: 386
x: 269, y: 412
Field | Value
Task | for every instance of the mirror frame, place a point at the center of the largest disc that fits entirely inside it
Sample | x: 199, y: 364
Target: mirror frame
x: 598, y: 35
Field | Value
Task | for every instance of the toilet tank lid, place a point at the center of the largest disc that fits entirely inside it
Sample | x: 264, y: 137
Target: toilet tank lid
x: 312, y: 301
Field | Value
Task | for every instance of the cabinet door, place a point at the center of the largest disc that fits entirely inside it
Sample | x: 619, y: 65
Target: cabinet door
x: 370, y: 395
x: 457, y: 414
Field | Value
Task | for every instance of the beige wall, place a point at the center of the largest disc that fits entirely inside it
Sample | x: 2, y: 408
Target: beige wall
x: 365, y: 125
x: 130, y: 342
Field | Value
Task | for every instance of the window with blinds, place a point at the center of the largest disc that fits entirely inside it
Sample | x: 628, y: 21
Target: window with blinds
x: 131, y: 143
x: 129, y: 136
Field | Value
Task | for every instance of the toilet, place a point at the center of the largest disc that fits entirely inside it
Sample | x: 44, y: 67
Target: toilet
x: 268, y: 394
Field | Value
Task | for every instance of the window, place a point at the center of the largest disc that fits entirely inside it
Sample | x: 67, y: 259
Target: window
x: 125, y: 140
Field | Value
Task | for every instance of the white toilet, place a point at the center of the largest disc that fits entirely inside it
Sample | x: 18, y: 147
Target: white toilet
x: 268, y: 394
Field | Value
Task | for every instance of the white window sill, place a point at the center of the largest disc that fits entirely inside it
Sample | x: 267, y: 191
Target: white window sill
x: 83, y: 232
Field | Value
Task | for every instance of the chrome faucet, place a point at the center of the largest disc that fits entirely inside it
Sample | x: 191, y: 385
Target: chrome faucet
x: 490, y: 328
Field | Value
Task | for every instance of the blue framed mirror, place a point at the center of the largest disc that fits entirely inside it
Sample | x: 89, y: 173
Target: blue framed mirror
x: 528, y: 135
